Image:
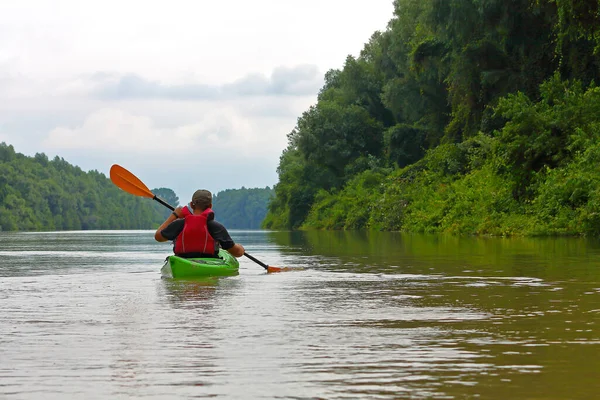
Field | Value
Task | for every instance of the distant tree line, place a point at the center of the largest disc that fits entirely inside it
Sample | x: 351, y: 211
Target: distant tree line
x: 38, y: 194
x: 242, y: 208
x: 169, y: 197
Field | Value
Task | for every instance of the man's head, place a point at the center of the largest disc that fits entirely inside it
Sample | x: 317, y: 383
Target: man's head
x: 202, y: 199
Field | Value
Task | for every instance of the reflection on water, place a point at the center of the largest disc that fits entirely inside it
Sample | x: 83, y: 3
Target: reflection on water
x: 372, y: 315
x: 191, y: 293
x: 389, y: 251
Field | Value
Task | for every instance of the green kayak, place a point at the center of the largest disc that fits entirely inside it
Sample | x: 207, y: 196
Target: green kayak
x: 177, y: 267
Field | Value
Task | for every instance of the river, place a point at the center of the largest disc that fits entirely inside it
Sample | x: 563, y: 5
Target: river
x: 87, y: 315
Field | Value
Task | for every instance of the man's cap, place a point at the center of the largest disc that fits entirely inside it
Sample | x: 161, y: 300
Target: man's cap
x: 202, y: 198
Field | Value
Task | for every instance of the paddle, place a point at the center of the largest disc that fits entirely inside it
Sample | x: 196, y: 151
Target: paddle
x: 130, y: 183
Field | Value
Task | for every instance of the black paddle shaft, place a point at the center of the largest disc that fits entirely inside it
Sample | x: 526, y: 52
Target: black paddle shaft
x: 265, y: 266
x: 164, y: 203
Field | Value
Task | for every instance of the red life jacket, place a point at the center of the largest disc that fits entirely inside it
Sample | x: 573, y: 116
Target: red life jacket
x: 195, y: 238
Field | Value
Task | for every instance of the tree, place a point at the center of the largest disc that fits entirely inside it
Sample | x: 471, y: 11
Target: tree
x: 41, y: 194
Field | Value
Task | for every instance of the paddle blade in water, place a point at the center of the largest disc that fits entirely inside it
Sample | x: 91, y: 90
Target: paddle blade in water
x: 129, y: 182
x: 270, y: 268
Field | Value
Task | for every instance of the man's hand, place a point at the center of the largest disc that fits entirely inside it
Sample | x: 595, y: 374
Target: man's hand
x: 237, y: 250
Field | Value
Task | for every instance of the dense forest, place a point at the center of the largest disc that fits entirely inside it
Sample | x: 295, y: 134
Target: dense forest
x: 242, y: 208
x: 38, y: 194
x: 463, y: 116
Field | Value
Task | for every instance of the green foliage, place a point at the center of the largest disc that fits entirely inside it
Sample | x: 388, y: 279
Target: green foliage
x: 494, y: 48
x: 481, y: 106
x: 469, y: 188
x: 577, y: 37
x: 331, y: 136
x: 537, y: 135
x: 39, y: 194
x: 405, y: 144
x: 568, y: 198
x: 242, y: 208
x: 295, y: 191
x: 477, y: 203
x: 350, y: 209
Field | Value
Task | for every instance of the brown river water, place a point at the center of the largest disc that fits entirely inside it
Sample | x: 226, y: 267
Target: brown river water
x: 86, y: 315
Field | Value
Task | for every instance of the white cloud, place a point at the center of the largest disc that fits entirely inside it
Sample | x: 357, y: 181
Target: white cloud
x: 301, y: 80
x: 222, y: 150
x: 114, y: 130
x: 184, y: 84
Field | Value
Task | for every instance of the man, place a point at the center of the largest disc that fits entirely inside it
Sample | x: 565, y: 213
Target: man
x: 195, y: 231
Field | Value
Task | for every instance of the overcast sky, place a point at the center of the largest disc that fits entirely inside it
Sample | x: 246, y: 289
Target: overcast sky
x: 185, y: 94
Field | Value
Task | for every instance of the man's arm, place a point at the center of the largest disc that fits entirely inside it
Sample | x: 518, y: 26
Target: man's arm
x: 169, y: 230
x: 220, y: 234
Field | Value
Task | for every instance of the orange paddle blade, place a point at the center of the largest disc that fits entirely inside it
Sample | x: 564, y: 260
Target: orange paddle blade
x: 271, y: 268
x: 129, y: 182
